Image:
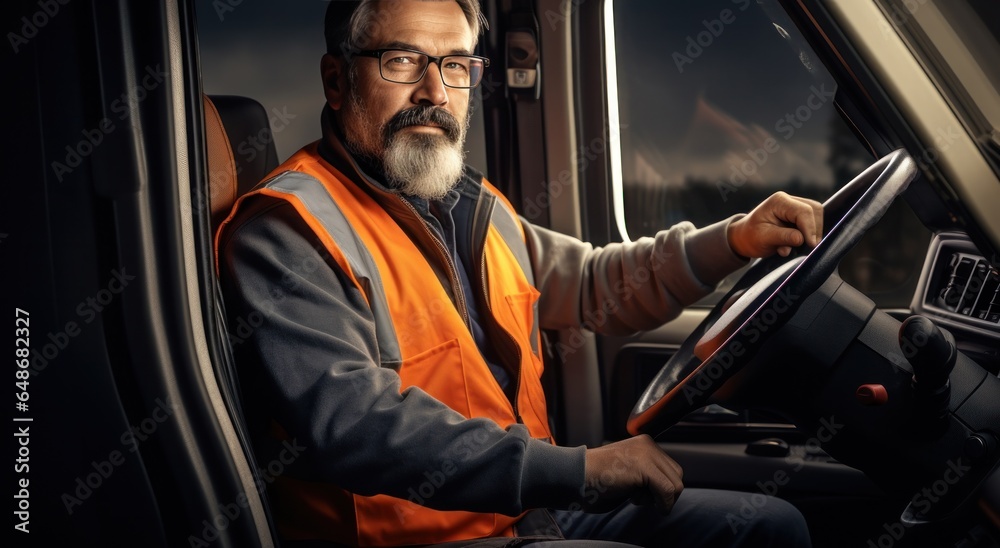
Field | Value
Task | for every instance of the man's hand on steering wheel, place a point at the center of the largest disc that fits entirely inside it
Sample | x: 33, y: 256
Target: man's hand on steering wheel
x: 778, y: 224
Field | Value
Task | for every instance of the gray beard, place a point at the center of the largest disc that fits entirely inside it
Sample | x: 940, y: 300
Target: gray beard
x: 424, y: 166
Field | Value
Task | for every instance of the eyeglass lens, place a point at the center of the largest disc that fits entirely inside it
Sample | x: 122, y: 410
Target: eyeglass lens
x: 407, y: 67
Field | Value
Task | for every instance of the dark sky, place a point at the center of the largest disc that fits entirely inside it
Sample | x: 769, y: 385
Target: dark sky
x: 702, y: 82
x: 271, y: 52
x: 748, y: 70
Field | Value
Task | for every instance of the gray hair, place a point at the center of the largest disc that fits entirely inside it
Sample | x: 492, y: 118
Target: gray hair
x: 350, y: 24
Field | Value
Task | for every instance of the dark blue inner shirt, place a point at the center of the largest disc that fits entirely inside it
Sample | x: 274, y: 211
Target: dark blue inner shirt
x: 441, y: 216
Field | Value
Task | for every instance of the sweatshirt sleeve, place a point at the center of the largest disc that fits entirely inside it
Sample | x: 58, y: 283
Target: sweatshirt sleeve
x: 627, y: 287
x: 305, y: 346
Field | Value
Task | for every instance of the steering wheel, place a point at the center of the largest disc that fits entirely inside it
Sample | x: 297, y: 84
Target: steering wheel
x: 765, y: 298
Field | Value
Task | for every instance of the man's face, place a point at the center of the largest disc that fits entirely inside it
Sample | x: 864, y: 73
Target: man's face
x: 416, y: 132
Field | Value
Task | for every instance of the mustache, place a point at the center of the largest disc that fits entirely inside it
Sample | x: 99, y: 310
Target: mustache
x: 422, y: 115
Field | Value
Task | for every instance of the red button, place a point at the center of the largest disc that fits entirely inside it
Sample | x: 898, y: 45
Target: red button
x: 872, y: 394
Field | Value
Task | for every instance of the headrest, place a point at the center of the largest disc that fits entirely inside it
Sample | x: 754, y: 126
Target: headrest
x: 240, y: 149
x: 222, y: 175
x: 250, y: 138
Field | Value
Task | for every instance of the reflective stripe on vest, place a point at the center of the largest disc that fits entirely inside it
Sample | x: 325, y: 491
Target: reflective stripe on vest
x: 322, y: 207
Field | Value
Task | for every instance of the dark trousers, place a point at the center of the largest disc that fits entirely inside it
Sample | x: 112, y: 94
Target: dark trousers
x: 700, y: 518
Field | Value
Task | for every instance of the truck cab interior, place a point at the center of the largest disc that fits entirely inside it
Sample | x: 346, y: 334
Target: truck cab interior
x: 858, y: 380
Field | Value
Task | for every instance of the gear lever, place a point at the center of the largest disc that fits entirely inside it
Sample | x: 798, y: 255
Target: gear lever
x: 932, y: 353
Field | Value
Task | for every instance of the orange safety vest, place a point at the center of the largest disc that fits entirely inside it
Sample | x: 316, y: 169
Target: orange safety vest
x: 422, y: 335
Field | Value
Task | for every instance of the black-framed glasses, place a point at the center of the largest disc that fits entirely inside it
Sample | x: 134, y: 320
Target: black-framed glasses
x: 408, y: 66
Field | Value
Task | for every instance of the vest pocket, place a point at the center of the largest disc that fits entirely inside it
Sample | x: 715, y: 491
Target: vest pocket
x: 439, y: 371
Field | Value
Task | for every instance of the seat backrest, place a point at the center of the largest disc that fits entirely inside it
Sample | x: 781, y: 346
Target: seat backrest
x: 230, y: 122
x: 240, y: 149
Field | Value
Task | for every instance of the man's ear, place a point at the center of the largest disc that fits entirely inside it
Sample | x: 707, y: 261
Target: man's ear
x: 334, y: 72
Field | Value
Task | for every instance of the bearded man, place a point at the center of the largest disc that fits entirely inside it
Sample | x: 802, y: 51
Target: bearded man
x: 399, y: 298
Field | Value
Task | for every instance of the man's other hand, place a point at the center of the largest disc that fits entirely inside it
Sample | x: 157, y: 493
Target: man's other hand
x: 778, y: 224
x: 635, y: 468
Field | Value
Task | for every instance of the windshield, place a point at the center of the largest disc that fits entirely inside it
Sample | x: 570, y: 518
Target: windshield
x: 715, y: 105
x: 719, y: 104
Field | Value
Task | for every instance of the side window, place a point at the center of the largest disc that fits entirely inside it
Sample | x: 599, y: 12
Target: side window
x: 271, y: 52
x: 720, y: 104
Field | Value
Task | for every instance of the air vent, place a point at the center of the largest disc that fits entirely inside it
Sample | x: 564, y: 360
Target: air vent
x: 966, y: 285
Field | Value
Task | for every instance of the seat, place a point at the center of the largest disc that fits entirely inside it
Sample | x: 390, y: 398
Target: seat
x: 230, y: 122
x: 240, y: 150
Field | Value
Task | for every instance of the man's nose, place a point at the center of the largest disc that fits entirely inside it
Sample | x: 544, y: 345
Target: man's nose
x: 431, y: 89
